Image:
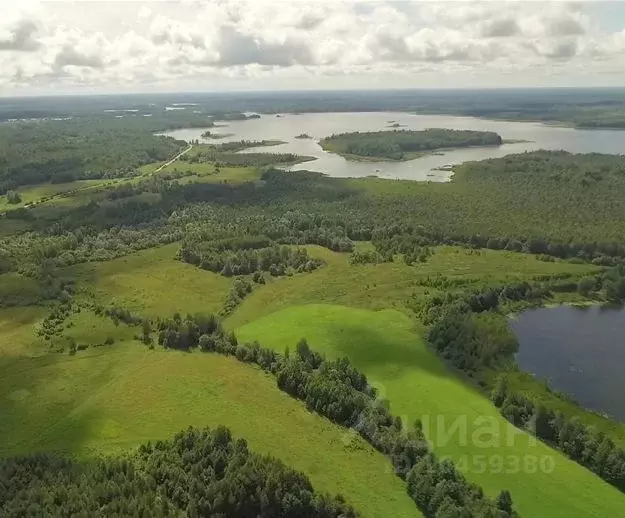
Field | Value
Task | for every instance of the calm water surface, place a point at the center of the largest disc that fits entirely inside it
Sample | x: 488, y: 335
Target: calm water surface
x: 319, y: 125
x: 579, y: 351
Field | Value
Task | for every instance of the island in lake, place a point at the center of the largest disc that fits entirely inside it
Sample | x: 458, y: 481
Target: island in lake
x: 404, y: 144
x: 216, y: 136
x: 235, y: 116
x: 303, y: 136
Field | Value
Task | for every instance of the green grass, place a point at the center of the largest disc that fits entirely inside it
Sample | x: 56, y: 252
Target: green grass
x: 384, y: 345
x: 17, y: 332
x: 91, y: 329
x: 34, y: 193
x: 390, y: 285
x: 16, y: 289
x: 205, y: 172
x: 538, y: 391
x: 110, y: 399
x: 152, y: 283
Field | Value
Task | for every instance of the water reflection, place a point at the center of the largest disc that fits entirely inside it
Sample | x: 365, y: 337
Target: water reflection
x: 580, y: 351
x: 319, y: 125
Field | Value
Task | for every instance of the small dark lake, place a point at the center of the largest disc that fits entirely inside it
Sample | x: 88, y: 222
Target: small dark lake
x: 579, y: 351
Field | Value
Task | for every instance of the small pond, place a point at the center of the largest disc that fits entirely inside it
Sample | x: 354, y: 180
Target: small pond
x: 579, y: 351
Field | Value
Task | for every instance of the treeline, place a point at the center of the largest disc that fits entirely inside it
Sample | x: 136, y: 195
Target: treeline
x: 227, y: 154
x: 413, y: 248
x: 241, y: 288
x: 257, y: 159
x: 200, y: 472
x: 338, y: 391
x: 579, y: 442
x: 277, y: 260
x: 97, y: 232
x: 119, y: 315
x: 308, y: 208
x: 406, y: 237
x: 398, y: 144
x: 208, y: 149
x: 465, y: 328
x: 54, y: 323
x: 609, y: 285
x: 41, y: 288
x: 603, y: 107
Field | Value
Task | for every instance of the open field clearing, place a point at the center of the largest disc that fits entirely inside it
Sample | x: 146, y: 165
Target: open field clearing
x: 389, y: 285
x: 207, y: 173
x: 111, y: 399
x: 30, y: 194
x: 152, y: 283
x: 17, y: 336
x: 385, y: 346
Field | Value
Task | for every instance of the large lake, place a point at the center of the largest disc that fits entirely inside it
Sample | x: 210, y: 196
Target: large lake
x: 580, y: 351
x: 318, y: 125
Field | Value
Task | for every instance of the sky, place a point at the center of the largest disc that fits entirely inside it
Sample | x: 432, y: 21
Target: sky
x: 119, y: 46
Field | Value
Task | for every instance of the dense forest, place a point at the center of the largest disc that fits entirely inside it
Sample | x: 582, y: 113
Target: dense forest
x: 557, y: 203
x: 277, y: 260
x: 107, y: 145
x: 68, y: 150
x: 546, y: 217
x: 466, y: 331
x: 581, y: 107
x: 227, y: 154
x: 405, y: 144
x: 196, y: 473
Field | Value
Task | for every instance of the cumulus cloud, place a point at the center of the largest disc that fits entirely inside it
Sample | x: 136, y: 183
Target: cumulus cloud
x: 234, y: 38
x: 504, y: 27
x: 19, y: 34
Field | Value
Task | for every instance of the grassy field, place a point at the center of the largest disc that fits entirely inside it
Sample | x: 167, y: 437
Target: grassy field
x: 390, y: 285
x: 205, y: 172
x: 110, y: 399
x: 19, y: 290
x: 33, y: 193
x: 90, y: 329
x: 17, y: 332
x: 152, y: 283
x: 538, y: 391
x: 384, y: 345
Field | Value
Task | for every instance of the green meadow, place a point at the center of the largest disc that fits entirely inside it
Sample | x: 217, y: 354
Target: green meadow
x: 108, y: 400
x: 151, y: 283
x: 100, y: 348
x: 30, y: 194
x: 207, y: 173
x: 390, y: 285
x: 384, y: 345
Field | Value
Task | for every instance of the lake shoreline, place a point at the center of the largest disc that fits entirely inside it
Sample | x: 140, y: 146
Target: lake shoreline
x: 517, y: 136
x: 575, y: 347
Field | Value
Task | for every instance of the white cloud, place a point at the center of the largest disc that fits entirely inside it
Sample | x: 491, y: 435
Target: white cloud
x: 220, y: 40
